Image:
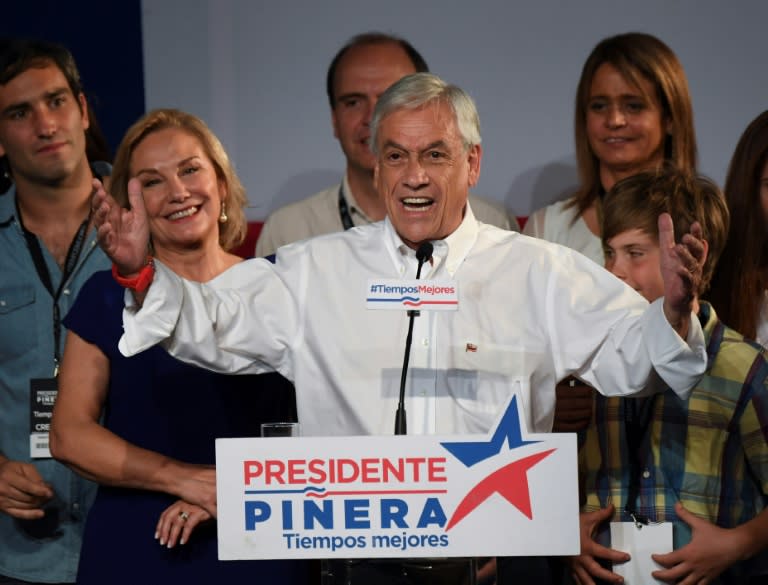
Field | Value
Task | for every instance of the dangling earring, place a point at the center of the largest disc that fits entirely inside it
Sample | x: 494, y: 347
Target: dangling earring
x: 223, y: 215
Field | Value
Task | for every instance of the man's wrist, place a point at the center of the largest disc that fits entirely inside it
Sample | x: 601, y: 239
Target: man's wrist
x: 679, y: 320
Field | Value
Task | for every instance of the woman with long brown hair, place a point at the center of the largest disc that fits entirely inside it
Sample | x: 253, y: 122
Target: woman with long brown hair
x: 633, y: 113
x: 738, y: 290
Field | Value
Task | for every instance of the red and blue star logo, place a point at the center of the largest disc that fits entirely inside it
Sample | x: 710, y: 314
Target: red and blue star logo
x: 509, y: 481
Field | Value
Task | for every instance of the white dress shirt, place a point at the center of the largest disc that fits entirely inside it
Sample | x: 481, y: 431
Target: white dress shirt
x: 561, y: 224
x: 530, y: 313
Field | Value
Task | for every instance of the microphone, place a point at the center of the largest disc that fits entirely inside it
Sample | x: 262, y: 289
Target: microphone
x: 423, y: 253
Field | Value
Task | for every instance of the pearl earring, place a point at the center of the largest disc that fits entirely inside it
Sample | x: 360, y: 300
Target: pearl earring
x: 223, y: 215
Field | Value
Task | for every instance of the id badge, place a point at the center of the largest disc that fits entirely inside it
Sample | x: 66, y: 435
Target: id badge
x: 640, y: 541
x: 42, y: 398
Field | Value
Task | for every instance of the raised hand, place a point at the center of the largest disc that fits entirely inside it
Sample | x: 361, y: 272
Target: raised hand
x: 585, y: 568
x: 681, y: 268
x: 123, y: 233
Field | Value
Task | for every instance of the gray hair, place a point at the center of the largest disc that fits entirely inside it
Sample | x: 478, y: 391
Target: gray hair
x: 419, y: 89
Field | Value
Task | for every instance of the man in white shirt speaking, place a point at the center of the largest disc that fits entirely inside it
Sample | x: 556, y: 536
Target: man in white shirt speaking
x: 358, y: 74
x: 525, y: 312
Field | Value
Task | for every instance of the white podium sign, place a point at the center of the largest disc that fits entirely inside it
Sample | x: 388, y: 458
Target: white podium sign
x: 504, y: 494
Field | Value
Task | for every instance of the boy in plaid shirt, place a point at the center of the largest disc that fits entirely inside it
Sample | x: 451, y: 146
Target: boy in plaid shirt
x: 701, y: 464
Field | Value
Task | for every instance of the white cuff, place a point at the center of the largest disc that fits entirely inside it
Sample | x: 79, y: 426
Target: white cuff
x: 680, y: 362
x: 155, y: 320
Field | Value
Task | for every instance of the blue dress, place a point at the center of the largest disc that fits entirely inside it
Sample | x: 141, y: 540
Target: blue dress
x: 161, y: 404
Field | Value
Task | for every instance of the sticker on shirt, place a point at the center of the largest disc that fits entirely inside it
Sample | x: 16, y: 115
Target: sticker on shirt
x: 640, y: 541
x: 412, y: 295
x: 42, y: 398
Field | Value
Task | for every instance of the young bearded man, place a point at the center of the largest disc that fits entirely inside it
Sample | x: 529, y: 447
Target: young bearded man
x: 47, y: 251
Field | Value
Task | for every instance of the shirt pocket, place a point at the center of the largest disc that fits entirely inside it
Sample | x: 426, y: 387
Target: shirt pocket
x: 490, y: 359
x: 484, y: 375
x: 18, y: 322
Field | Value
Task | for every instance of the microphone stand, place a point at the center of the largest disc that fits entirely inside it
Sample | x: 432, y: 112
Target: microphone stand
x: 423, y: 254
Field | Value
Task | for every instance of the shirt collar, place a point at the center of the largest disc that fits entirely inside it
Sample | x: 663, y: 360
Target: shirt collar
x: 449, y: 252
x: 8, y: 206
x: 349, y: 197
x: 713, y: 330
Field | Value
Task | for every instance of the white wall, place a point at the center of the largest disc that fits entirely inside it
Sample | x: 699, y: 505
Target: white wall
x: 255, y: 71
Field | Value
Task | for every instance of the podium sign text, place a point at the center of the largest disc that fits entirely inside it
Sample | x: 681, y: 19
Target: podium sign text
x: 504, y: 494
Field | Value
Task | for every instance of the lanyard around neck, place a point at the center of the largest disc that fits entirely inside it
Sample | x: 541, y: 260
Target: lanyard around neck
x: 346, y: 218
x: 70, y: 263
